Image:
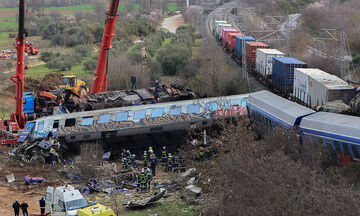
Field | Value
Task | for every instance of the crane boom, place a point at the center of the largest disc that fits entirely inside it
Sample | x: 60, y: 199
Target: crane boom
x: 100, y: 81
x: 18, y: 117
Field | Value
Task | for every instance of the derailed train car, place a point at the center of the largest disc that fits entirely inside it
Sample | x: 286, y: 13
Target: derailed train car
x: 116, y: 122
x: 339, y: 132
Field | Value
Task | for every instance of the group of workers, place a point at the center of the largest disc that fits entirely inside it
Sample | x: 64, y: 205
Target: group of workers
x: 172, y: 163
x: 24, y: 206
x: 128, y: 160
x: 145, y: 175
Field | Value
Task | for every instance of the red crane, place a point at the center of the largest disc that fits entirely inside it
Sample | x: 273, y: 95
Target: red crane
x: 100, y: 81
x: 17, y: 119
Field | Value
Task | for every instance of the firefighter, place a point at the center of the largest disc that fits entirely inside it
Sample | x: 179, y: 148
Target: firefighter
x: 157, y: 90
x: 123, y: 153
x: 148, y: 178
x: 176, y: 163
x: 164, y: 156
x: 124, y: 163
x: 201, y: 154
x: 169, y: 163
x: 150, y: 152
x: 133, y: 81
x: 138, y: 181
x: 143, y: 180
x: 128, y: 155
x: 133, y: 161
x: 145, y: 157
x: 182, y: 164
x: 153, y: 163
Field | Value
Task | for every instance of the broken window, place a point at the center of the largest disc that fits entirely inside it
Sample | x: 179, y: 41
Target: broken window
x: 70, y: 122
x: 56, y: 124
x: 157, y: 112
x: 40, y: 126
x: 175, y: 111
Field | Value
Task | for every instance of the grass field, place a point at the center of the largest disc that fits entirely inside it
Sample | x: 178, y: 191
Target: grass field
x: 172, y: 7
x: 8, y: 24
x: 40, y: 71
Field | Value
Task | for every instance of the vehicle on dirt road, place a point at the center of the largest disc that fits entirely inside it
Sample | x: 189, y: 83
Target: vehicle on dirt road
x: 31, y: 49
x: 68, y: 201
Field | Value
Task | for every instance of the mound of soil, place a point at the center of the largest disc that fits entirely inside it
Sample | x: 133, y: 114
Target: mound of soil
x: 49, y: 82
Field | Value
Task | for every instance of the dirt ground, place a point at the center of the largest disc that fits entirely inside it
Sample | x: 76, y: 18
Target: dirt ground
x: 171, y: 23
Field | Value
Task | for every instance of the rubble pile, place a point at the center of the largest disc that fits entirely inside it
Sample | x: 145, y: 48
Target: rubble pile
x: 38, y: 152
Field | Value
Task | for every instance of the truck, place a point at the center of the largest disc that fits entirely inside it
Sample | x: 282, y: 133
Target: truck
x: 31, y: 49
x: 68, y: 201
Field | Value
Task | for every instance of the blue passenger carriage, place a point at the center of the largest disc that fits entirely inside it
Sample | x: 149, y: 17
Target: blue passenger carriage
x: 338, y: 131
x: 270, y: 110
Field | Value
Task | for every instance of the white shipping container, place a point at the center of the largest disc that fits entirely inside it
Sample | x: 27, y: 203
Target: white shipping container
x: 315, y: 87
x: 264, y: 60
x: 216, y: 23
x: 220, y: 28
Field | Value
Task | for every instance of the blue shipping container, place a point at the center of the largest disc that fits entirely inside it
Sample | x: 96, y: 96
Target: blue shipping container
x: 283, y: 73
x: 238, y: 44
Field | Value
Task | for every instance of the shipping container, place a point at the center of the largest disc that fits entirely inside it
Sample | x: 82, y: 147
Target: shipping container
x: 231, y: 41
x: 216, y: 23
x: 283, y: 73
x: 250, y: 51
x: 238, y: 44
x: 264, y: 61
x: 315, y: 87
x: 225, y: 32
x: 219, y: 28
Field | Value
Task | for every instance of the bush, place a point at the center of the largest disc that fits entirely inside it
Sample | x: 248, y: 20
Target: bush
x: 90, y: 66
x: 64, y: 62
x: 47, y: 56
x: 83, y: 51
x: 173, y: 58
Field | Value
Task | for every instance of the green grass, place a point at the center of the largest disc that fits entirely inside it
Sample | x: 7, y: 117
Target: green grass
x: 5, y: 35
x: 166, y: 208
x: 8, y: 9
x: 7, y: 18
x: 172, y: 7
x: 41, y: 70
x: 77, y: 8
x: 8, y: 24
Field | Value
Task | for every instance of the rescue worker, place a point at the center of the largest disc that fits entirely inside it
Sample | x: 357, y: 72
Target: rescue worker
x: 133, y: 81
x: 24, y: 206
x: 182, y: 164
x: 42, y: 206
x: 148, y: 178
x: 16, y: 207
x: 176, y: 163
x: 124, y: 163
x: 143, y: 179
x: 133, y: 161
x: 157, y: 90
x: 201, y: 154
x: 145, y: 157
x: 169, y: 163
x: 164, y: 156
x: 54, y: 156
x: 138, y: 181
x: 150, y: 152
x: 153, y: 163
x: 123, y: 153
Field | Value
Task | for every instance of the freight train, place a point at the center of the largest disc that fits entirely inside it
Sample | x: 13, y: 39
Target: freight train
x: 339, y: 132
x: 286, y: 76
